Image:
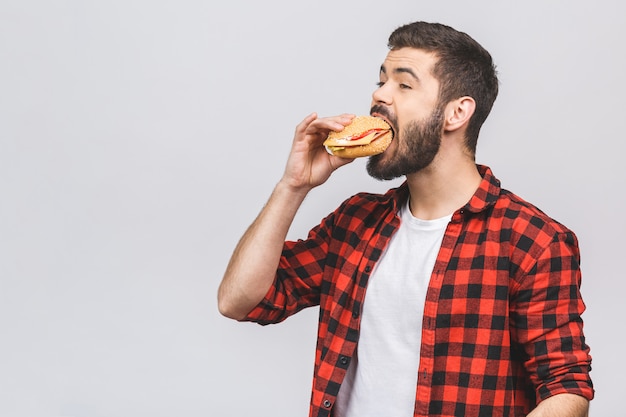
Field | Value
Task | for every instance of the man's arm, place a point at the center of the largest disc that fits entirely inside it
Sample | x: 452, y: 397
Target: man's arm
x: 253, y: 265
x: 562, y: 405
x: 546, y: 311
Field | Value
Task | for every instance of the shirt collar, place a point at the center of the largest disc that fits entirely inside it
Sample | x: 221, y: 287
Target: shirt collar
x: 485, y: 196
x: 487, y: 193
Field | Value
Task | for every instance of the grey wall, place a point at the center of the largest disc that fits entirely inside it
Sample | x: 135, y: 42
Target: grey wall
x: 138, y: 139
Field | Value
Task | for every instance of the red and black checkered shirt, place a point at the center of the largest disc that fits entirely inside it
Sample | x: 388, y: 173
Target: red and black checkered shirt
x: 502, y: 325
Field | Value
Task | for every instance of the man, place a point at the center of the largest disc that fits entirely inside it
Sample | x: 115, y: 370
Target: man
x: 472, y: 305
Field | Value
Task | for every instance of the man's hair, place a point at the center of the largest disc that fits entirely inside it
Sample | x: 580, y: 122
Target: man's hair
x: 464, y: 68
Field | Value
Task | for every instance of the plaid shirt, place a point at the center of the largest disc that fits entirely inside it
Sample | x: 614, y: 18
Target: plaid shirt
x: 502, y: 325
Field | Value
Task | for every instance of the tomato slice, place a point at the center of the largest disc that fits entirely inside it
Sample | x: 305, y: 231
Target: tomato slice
x: 363, y: 134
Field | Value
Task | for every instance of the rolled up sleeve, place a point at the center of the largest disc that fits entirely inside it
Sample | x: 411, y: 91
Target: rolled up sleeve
x: 546, y: 313
x: 298, y: 278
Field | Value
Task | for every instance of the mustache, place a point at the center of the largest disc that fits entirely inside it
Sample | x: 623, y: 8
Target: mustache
x: 382, y: 110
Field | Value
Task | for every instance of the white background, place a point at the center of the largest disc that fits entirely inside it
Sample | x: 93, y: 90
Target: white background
x: 138, y: 139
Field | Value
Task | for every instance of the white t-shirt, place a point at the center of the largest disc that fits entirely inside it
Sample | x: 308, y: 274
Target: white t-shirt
x: 382, y: 377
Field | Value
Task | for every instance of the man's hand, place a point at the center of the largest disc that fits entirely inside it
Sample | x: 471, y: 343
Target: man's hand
x: 309, y: 164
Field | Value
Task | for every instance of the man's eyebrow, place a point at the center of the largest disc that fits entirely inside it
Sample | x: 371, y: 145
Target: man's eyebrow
x: 401, y: 70
x: 407, y: 71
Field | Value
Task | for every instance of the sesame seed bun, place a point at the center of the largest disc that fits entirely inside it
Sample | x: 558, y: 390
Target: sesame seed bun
x: 364, y: 136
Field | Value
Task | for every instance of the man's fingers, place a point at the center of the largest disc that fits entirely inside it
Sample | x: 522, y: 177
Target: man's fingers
x: 326, y: 124
x: 337, y: 162
x: 304, y: 124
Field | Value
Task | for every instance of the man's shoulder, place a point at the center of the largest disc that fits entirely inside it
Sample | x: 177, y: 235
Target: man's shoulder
x: 514, y: 207
x: 527, y: 227
x: 512, y: 210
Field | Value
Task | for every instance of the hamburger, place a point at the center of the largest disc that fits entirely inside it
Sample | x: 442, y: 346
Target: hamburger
x: 364, y: 136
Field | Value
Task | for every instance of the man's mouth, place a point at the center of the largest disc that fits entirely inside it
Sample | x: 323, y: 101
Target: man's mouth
x: 383, y: 117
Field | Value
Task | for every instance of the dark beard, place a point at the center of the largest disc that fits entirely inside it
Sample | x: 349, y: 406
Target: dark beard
x: 420, y: 142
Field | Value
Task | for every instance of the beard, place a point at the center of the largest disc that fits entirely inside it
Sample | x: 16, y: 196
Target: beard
x: 415, y: 149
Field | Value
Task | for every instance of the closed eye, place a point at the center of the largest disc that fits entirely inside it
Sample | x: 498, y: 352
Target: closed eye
x: 401, y: 85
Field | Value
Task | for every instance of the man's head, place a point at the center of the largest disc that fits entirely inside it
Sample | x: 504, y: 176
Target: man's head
x: 463, y: 67
x: 430, y: 71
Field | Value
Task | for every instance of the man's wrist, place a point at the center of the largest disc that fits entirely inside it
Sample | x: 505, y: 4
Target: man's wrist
x: 285, y: 186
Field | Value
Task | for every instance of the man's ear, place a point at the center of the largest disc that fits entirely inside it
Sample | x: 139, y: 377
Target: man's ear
x: 458, y: 113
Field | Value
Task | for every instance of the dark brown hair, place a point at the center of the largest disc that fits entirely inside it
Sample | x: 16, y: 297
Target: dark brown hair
x: 464, y: 68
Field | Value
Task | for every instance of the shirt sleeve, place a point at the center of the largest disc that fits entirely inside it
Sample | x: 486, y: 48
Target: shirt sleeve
x: 298, y: 278
x: 546, y: 309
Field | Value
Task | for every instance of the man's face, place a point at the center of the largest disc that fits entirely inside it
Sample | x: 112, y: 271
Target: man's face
x: 407, y: 97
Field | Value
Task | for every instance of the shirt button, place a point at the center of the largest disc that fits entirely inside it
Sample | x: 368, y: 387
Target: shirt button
x: 327, y: 403
x: 368, y: 268
x: 343, y: 360
x: 355, y: 314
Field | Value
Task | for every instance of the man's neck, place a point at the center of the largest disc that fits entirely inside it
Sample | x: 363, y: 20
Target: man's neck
x: 440, y: 189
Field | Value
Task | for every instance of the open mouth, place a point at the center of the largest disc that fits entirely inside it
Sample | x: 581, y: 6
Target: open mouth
x: 392, y: 128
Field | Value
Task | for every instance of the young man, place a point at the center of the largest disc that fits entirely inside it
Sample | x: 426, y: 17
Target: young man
x: 472, y: 305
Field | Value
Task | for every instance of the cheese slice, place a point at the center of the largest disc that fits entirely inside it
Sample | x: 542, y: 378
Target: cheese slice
x: 356, y: 142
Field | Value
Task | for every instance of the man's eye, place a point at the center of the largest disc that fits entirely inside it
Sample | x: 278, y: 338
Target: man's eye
x: 405, y: 87
x: 380, y: 84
